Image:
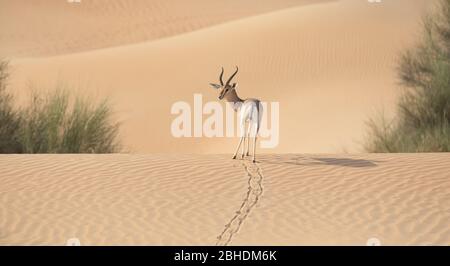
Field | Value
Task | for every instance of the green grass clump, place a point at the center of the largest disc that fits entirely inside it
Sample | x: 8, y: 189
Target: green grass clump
x: 9, y: 118
x: 423, y: 118
x: 56, y: 122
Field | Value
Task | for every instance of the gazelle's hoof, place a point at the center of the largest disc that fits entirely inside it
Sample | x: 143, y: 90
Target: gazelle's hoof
x: 234, y: 157
x: 254, y: 161
x: 247, y: 154
x: 242, y: 156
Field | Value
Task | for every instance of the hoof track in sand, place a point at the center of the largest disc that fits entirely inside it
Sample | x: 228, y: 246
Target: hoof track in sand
x: 254, y: 193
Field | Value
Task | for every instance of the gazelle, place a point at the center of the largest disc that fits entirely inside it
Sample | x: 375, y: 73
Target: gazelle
x: 249, y: 112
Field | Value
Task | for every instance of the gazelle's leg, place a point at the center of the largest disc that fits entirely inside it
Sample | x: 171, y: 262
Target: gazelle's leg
x: 254, y: 148
x: 248, y: 145
x: 246, y: 136
x: 243, y: 147
x: 242, y: 128
x: 237, y: 149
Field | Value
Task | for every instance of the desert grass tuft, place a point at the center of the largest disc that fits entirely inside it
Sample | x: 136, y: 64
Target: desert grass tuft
x: 56, y: 122
x: 422, y: 123
x: 61, y: 123
x: 9, y: 118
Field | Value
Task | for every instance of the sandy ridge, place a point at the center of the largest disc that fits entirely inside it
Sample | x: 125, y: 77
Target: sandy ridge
x: 56, y: 27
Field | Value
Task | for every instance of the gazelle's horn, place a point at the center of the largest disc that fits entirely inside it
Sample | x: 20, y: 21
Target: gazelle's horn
x: 232, y: 76
x: 220, y: 77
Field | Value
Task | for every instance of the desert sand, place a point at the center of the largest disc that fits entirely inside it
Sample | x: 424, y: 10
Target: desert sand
x: 297, y: 199
x: 329, y: 64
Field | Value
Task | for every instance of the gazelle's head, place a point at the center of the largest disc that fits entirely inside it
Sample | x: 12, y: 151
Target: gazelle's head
x: 227, y: 87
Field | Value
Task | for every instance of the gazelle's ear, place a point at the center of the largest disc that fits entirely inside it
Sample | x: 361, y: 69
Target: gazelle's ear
x: 215, y: 86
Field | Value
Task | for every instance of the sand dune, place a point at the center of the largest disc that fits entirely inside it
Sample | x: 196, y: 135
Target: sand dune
x: 293, y: 199
x: 50, y: 27
x: 330, y: 66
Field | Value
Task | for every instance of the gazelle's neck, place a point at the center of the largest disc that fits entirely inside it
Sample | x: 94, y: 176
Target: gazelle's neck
x: 234, y: 99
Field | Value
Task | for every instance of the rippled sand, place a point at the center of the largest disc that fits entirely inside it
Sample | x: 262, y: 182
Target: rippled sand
x: 296, y: 199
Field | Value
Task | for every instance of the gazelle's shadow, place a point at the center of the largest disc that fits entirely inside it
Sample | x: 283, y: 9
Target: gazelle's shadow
x: 306, y: 160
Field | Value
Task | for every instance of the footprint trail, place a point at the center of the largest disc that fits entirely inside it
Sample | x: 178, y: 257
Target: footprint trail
x: 254, y: 193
